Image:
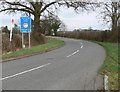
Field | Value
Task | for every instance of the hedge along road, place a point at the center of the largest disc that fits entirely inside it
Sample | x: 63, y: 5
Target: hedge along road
x: 72, y: 67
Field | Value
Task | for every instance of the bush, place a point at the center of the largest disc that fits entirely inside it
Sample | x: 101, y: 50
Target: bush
x: 16, y: 42
x: 10, y: 46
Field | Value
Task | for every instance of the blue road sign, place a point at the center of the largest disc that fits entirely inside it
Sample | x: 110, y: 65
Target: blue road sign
x: 25, y: 24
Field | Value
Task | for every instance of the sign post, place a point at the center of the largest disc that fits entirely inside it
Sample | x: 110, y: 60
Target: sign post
x: 29, y: 39
x: 12, y: 24
x: 25, y: 27
x: 22, y: 40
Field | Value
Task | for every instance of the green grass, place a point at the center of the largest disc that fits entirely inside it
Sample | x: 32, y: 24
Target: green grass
x: 51, y: 44
x: 110, y: 66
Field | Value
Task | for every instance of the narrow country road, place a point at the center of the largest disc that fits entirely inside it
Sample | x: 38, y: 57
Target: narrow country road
x: 71, y: 67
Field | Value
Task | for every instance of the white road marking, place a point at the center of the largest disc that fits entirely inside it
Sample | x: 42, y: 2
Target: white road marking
x: 73, y: 53
x: 25, y: 72
x: 81, y: 45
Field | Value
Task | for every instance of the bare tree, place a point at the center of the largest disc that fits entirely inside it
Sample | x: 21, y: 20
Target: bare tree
x: 63, y: 26
x: 36, y: 8
x: 111, y: 14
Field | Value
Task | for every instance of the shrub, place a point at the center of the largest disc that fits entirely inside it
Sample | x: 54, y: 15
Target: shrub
x: 16, y: 42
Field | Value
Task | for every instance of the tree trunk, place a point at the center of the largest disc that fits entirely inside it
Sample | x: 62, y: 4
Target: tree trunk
x: 37, y: 33
x: 114, y: 29
x: 114, y: 26
x: 114, y: 20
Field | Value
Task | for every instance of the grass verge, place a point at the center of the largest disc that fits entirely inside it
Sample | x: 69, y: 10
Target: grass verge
x: 51, y: 44
x: 110, y: 66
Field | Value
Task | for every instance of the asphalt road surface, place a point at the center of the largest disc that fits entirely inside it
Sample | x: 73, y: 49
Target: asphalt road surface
x: 71, y: 67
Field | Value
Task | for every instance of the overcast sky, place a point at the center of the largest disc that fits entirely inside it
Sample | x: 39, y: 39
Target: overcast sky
x: 72, y: 19
x: 81, y: 20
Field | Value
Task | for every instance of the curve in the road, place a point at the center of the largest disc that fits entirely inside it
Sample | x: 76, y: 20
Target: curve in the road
x: 72, y: 67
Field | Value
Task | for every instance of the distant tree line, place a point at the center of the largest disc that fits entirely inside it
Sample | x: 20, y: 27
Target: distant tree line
x: 89, y: 29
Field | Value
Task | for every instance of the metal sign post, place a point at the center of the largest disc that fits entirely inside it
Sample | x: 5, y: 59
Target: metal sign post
x: 22, y: 40
x: 25, y: 27
x: 29, y: 39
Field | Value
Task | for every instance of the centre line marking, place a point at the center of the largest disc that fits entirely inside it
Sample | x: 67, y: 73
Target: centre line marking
x: 73, y: 53
x: 25, y: 72
x: 82, y: 46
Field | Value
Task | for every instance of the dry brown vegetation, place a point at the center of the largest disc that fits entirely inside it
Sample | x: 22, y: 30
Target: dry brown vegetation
x: 102, y: 36
x: 16, y: 43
